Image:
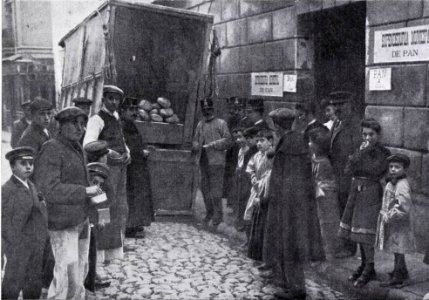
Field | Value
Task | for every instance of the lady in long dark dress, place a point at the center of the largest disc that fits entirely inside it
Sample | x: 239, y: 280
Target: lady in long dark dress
x: 359, y: 222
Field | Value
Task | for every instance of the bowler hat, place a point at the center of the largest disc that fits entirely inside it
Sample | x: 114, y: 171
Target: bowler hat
x: 113, y: 89
x: 82, y: 100
x: 20, y: 153
x: 99, y: 169
x: 70, y: 113
x: 282, y: 116
x: 206, y: 103
x: 40, y: 104
x: 401, y: 158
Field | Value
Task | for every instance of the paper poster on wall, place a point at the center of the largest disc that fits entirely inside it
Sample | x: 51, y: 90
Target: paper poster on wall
x: 267, y: 84
x: 380, y: 79
x: 289, y: 83
x: 402, y: 44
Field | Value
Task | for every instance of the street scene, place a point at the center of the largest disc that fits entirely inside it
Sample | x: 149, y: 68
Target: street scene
x: 215, y: 149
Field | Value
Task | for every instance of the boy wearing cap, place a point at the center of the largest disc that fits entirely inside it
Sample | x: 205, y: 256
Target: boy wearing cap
x: 24, y: 228
x: 61, y: 175
x: 211, y: 140
x: 83, y: 103
x: 394, y: 232
x: 20, y: 125
x: 37, y: 133
x: 106, y: 126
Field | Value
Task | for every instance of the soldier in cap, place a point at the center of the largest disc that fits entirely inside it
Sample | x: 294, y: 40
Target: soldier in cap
x: 20, y: 125
x: 210, y: 142
x: 106, y: 126
x: 37, y: 133
x: 61, y: 175
x: 139, y: 194
x: 24, y: 228
x: 83, y: 103
x: 345, y: 139
x: 286, y: 240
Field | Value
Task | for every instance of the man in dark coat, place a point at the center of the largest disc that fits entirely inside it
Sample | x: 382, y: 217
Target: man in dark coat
x: 255, y: 114
x: 24, y: 228
x: 345, y: 139
x: 61, y: 175
x: 37, y: 133
x: 20, y: 125
x: 286, y: 240
x: 139, y: 194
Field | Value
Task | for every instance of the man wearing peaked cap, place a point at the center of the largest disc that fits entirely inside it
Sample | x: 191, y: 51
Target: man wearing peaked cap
x: 19, y: 126
x: 24, y: 228
x: 83, y: 103
x: 210, y: 142
x: 400, y: 158
x: 289, y: 195
x: 36, y: 134
x: 99, y: 168
x: 106, y: 126
x: 255, y: 114
x: 61, y: 175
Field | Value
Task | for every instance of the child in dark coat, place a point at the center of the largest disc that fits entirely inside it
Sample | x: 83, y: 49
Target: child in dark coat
x: 24, y: 228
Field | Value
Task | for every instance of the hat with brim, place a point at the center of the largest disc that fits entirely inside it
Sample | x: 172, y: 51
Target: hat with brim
x: 206, y: 104
x: 99, y: 169
x: 26, y: 153
x: 113, y: 89
x: 339, y: 97
x: 96, y: 148
x: 82, y: 101
x: 40, y: 104
x: 255, y: 104
x: 400, y: 158
x: 69, y: 114
x: 282, y: 116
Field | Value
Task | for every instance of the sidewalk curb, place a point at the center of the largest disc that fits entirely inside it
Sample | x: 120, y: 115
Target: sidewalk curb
x: 336, y: 278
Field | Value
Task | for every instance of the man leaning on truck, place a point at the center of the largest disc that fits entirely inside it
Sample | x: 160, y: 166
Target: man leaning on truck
x: 106, y: 125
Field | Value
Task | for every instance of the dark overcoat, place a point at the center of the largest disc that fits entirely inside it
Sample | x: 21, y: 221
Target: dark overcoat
x: 61, y: 175
x: 139, y: 194
x: 34, y: 137
x: 18, y: 128
x: 24, y: 234
x: 286, y: 237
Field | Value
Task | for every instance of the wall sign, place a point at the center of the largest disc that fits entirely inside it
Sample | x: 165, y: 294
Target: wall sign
x: 267, y: 84
x: 380, y: 79
x: 289, y: 83
x: 402, y: 45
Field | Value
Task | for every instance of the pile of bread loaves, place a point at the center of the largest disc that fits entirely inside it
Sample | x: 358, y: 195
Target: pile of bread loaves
x: 160, y: 111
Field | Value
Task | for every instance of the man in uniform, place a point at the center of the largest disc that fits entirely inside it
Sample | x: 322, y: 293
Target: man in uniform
x: 345, y: 139
x: 37, y: 133
x: 20, y: 125
x: 106, y: 126
x: 211, y: 140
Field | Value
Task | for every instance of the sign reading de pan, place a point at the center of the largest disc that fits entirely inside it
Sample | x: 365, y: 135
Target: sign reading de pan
x: 406, y: 44
x: 267, y: 84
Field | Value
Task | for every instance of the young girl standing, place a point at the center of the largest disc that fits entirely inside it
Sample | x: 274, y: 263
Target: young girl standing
x: 359, y: 221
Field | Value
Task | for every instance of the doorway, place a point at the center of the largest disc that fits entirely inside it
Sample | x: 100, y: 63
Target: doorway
x: 338, y: 38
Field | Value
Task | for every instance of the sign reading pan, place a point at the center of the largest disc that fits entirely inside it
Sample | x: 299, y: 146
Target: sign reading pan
x: 406, y: 44
x: 267, y: 84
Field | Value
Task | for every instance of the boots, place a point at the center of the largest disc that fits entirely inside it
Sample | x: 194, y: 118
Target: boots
x: 399, y: 274
x: 368, y: 274
x: 356, y: 274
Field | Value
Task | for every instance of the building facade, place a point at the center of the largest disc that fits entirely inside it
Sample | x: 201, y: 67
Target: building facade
x: 331, y: 45
x: 27, y: 64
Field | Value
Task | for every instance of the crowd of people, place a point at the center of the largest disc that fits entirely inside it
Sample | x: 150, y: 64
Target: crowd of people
x: 301, y: 189
x: 80, y: 185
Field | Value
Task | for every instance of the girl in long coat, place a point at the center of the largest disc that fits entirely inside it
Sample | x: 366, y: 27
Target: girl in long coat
x: 359, y: 221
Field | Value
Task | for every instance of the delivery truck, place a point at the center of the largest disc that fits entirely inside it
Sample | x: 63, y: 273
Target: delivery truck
x: 149, y: 51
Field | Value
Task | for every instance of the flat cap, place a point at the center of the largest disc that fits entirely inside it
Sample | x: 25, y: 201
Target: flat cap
x: 70, y: 113
x: 282, y: 116
x: 25, y: 103
x: 129, y: 102
x: 20, y: 153
x: 82, y: 100
x: 206, y: 103
x: 339, y: 97
x: 40, y: 104
x: 113, y: 89
x: 96, y: 148
x: 250, y: 132
x: 401, y: 158
x: 99, y: 169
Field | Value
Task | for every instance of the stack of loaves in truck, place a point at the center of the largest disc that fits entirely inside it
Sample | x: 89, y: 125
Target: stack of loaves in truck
x: 160, y: 111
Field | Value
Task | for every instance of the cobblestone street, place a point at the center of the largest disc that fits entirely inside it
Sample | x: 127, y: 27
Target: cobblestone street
x: 180, y: 261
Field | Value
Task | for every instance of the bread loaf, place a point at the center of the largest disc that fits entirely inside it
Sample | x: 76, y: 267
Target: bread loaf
x: 164, y: 102
x: 166, y: 112
x: 156, y: 118
x: 145, y: 104
x: 144, y: 116
x: 174, y: 119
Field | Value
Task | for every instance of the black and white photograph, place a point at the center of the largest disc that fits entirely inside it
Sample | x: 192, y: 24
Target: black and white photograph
x: 215, y: 149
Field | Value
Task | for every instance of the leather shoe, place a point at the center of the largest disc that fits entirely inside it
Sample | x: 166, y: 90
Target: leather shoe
x: 290, y: 295
x: 101, y: 284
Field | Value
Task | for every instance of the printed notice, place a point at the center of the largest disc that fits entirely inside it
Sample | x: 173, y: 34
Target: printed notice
x: 380, y: 79
x: 289, y: 83
x: 267, y: 84
x: 402, y: 44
